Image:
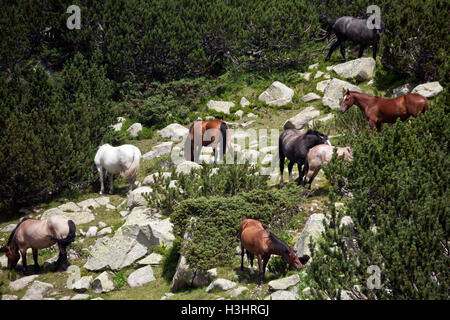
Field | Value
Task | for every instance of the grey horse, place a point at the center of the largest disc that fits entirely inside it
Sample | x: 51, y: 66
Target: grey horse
x: 355, y: 30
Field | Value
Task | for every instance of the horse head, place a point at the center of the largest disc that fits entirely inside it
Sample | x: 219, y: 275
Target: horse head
x: 347, y: 101
x: 12, y: 255
x: 322, y: 138
x: 294, y: 261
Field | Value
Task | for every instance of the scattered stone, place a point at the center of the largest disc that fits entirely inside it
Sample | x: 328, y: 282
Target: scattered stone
x: 314, y: 229
x: 186, y: 167
x: 238, y: 291
x: 244, y: 102
x: 326, y: 118
x: 220, y: 106
x: 158, y: 151
x: 306, y: 75
x: 141, y: 276
x: 239, y: 113
x: 92, y: 232
x: 37, y: 291
x: 310, y: 97
x: 284, y: 283
x: 153, y: 259
x: 167, y: 295
x: 79, y: 217
x: 334, y: 92
x: 173, y: 131
x: 429, y: 89
x: 105, y: 231
x: 21, y: 283
x: 302, y: 118
x: 403, y: 89
x: 101, y: 224
x: 252, y: 115
x: 103, y: 201
x: 89, y: 204
x: 119, y: 124
x: 83, y: 284
x: 221, y: 285
x: 360, y: 69
x: 134, y: 129
x: 80, y: 296
x: 136, y: 197
x: 124, y: 213
x: 187, y: 277
x: 277, y: 94
x: 320, y: 86
x: 307, y: 291
x: 9, y: 228
x: 282, y: 295
x: 102, y: 283
x: 318, y: 74
x: 313, y: 66
x: 9, y: 297
x: 69, y: 206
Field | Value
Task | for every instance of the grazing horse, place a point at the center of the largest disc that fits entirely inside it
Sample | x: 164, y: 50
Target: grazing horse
x: 379, y: 110
x: 257, y: 241
x: 124, y: 159
x: 320, y: 155
x: 355, y: 30
x: 39, y: 234
x: 205, y: 133
x: 295, y: 146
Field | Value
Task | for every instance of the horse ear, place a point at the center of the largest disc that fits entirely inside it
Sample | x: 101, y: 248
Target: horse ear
x: 347, y: 92
x: 3, y: 249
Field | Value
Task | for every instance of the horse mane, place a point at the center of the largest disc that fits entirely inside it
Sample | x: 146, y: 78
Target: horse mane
x: 275, y: 240
x: 313, y: 133
x: 13, y: 233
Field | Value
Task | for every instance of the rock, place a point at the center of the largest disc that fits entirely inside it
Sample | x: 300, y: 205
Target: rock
x: 429, y: 89
x: 334, y: 92
x: 119, y: 124
x: 37, y: 291
x: 238, y: 291
x: 284, y: 283
x: 8, y: 228
x: 244, y: 102
x: 104, y: 231
x: 307, y: 291
x: 102, y: 201
x: 313, y: 66
x: 318, y: 74
x: 69, y: 206
x: 153, y: 259
x: 326, y: 118
x: 89, y: 203
x: 141, y: 276
x: 248, y: 154
x: 252, y: 115
x: 101, y: 224
x: 173, y: 131
x: 151, y: 178
x: 80, y: 296
x: 166, y: 295
x: 314, y: 229
x: 92, y: 232
x: 221, y: 285
x: 277, y: 94
x: 21, y: 283
x: 187, y: 277
x: 82, y: 285
x: 403, y: 89
x: 220, y: 106
x: 136, y: 198
x: 306, y: 75
x: 346, y: 295
x: 310, y: 97
x: 134, y: 129
x: 124, y: 213
x: 158, y: 151
x: 79, y: 217
x: 110, y: 207
x: 248, y: 123
x: 347, y: 221
x: 239, y: 113
x: 360, y: 69
x: 102, y: 283
x: 282, y: 295
x: 320, y: 86
x: 186, y: 167
x: 299, y: 120
x: 9, y: 297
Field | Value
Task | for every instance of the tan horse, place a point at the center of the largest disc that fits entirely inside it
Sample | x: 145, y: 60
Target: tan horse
x: 379, y: 110
x: 322, y: 154
x: 257, y: 241
x: 39, y: 234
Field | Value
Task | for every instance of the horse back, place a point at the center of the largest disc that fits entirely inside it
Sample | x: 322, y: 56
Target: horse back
x: 36, y: 234
x: 253, y: 237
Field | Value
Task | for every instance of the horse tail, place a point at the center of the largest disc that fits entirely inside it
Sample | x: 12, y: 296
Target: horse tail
x: 131, y: 171
x: 327, y: 34
x: 224, y: 131
x: 69, y: 238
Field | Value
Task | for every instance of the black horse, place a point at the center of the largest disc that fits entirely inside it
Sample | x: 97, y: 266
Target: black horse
x: 294, y: 145
x: 355, y: 30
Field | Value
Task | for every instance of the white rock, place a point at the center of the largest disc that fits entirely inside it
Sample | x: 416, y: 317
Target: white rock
x: 313, y: 66
x: 238, y: 291
x: 103, y: 283
x: 221, y: 285
x: 306, y: 75
x: 158, y: 151
x: 326, y: 118
x: 282, y: 295
x: 173, y: 131
x: 151, y: 178
x: 82, y: 284
x: 141, y: 276
x: 153, y: 259
x: 429, y: 89
x: 37, y: 291
x: 102, y: 201
x: 89, y: 203
x: 9, y: 297
x: 310, y: 97
x: 136, y: 197
x: 277, y: 94
x: 101, y: 224
x: 104, y: 231
x: 359, y: 69
x: 239, y: 113
x: 80, y: 296
x: 187, y: 166
x: 134, y: 129
x: 320, y: 86
x: 302, y: 118
x: 80, y: 217
x: 220, y: 106
x: 334, y: 92
x: 318, y: 74
x: 284, y: 283
x: 21, y: 283
x: 403, y: 89
x: 252, y: 115
x: 244, y: 102
x: 69, y: 206
x: 314, y: 229
x: 8, y: 228
x: 92, y: 232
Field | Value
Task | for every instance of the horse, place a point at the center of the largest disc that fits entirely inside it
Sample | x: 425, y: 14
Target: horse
x: 124, y: 159
x: 257, y: 241
x: 39, y: 234
x: 205, y: 133
x: 379, y: 110
x: 355, y: 30
x: 320, y: 155
x: 295, y: 146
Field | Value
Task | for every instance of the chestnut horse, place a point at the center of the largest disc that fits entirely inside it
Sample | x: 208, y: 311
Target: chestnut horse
x: 320, y: 155
x: 257, y: 241
x: 379, y: 110
x: 205, y: 133
x: 39, y: 234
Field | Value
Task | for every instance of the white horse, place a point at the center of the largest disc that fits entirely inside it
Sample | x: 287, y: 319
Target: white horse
x: 124, y: 159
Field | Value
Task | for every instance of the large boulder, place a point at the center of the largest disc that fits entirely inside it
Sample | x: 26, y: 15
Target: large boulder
x: 429, y: 89
x: 134, y: 129
x: 37, y: 291
x: 220, y: 106
x: 359, y: 69
x: 312, y: 96
x: 83, y: 284
x: 152, y: 259
x: 136, y: 197
x: 277, y: 94
x: 299, y: 120
x: 189, y: 277
x: 284, y: 283
x: 141, y: 276
x: 21, y: 283
x: 173, y: 131
x: 158, y: 151
x: 403, y: 89
x: 334, y: 92
x: 79, y: 217
x: 314, y: 229
x: 102, y: 283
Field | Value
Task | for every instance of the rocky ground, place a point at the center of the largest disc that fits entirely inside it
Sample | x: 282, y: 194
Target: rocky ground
x: 117, y: 253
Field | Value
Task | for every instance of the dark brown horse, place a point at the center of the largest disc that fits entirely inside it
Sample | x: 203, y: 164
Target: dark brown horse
x: 380, y: 110
x: 39, y: 234
x: 257, y: 241
x: 205, y: 133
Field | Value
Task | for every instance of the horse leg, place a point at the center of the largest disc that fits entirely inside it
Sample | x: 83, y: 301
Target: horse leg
x: 361, y: 50
x: 242, y: 258
x: 265, y: 260
x: 35, y: 258
x: 333, y: 47
x: 111, y: 183
x: 261, y: 271
x: 312, y: 176
x: 290, y: 166
x: 343, y: 50
x: 131, y: 181
x: 300, y: 172
x: 102, y: 186
x: 250, y: 257
x: 281, y: 167
x: 374, y: 51
x: 305, y: 172
x: 62, y: 258
x: 23, y: 253
x: 215, y: 154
